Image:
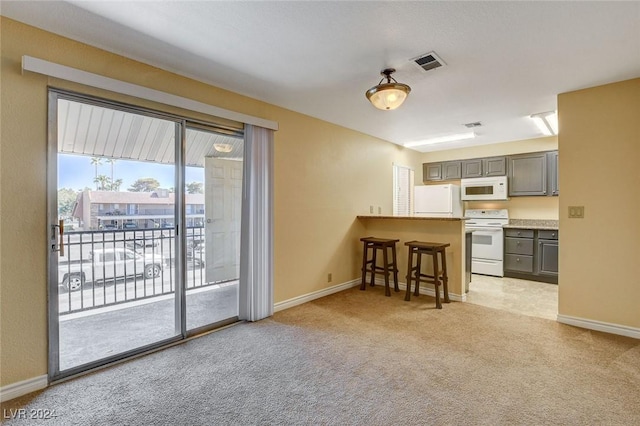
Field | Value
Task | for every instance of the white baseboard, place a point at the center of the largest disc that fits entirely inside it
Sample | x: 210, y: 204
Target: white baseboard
x: 290, y: 303
x: 606, y: 327
x: 426, y: 290
x: 24, y: 387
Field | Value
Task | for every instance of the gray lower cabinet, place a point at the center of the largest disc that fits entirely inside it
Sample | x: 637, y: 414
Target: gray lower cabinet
x: 531, y: 254
x: 548, y: 252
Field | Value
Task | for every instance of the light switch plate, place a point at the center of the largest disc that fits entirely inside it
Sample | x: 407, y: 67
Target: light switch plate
x: 576, y: 212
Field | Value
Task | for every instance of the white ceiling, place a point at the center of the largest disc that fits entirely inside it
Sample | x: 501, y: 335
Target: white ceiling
x: 505, y: 60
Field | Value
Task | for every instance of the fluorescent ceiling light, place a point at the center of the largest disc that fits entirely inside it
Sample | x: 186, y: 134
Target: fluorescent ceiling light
x: 450, y: 138
x: 547, y: 122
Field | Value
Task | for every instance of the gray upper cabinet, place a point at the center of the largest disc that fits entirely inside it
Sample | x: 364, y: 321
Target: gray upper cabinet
x: 451, y: 170
x: 483, y: 167
x: 431, y: 171
x: 552, y: 164
x: 472, y: 168
x: 528, y: 174
x: 494, y: 166
x: 441, y: 171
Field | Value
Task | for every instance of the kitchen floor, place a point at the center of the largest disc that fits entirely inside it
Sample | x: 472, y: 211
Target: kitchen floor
x: 519, y: 296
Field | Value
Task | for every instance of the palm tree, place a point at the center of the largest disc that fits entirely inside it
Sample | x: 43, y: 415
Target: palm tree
x: 102, y: 180
x: 112, y: 161
x: 115, y: 186
x: 96, y: 161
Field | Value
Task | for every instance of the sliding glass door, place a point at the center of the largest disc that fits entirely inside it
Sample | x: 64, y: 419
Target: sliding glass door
x: 144, y: 230
x: 213, y: 174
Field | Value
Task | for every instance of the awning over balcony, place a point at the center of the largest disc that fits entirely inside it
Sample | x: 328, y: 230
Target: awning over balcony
x: 104, y: 132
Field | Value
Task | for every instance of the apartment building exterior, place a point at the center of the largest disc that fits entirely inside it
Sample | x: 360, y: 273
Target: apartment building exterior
x: 134, y: 210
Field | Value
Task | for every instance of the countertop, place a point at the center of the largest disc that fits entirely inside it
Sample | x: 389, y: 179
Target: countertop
x: 411, y: 217
x: 533, y: 224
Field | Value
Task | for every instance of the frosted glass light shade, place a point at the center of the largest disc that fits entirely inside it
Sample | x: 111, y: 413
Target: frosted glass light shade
x: 388, y: 96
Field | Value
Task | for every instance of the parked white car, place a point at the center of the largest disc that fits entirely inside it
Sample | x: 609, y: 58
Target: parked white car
x: 109, y: 264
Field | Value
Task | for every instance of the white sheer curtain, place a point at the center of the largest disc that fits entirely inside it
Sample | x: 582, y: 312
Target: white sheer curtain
x: 256, y: 245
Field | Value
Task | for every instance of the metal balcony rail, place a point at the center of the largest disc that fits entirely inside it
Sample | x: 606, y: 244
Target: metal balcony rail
x: 104, y: 268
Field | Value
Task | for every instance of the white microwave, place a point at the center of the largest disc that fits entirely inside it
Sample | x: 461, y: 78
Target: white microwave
x: 487, y: 188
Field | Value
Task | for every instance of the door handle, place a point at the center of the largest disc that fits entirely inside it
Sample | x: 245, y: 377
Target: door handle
x: 60, y: 238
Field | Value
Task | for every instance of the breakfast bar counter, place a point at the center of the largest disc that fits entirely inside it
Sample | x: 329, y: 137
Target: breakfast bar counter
x: 427, y: 229
x: 415, y: 217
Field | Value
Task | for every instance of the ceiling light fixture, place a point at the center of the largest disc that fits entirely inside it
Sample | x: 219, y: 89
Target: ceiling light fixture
x: 450, y: 138
x: 389, y: 95
x: 547, y: 122
x: 223, y: 147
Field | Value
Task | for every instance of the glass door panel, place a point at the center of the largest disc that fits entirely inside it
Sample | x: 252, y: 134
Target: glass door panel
x: 213, y: 194
x: 114, y: 287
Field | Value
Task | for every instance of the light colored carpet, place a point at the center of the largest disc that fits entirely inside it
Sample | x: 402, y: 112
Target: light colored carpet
x: 364, y: 359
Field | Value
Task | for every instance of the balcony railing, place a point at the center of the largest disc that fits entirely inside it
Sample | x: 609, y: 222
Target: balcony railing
x: 103, y: 268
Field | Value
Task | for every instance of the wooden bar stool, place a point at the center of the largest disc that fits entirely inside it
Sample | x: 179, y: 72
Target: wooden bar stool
x: 388, y: 265
x: 439, y: 275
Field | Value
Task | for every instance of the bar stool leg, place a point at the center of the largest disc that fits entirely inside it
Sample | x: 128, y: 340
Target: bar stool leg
x: 445, y: 278
x: 407, y: 296
x: 416, y: 292
x: 365, y: 256
x: 395, y: 268
x: 436, y: 283
x: 373, y: 267
x: 386, y: 271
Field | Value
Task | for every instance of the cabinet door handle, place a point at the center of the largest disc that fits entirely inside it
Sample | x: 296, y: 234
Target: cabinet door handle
x: 518, y: 243
x: 553, y: 235
x: 517, y: 259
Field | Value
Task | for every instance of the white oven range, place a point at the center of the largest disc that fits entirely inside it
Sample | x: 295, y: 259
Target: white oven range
x: 487, y: 240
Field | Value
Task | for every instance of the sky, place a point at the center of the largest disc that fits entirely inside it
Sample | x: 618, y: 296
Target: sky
x: 77, y: 172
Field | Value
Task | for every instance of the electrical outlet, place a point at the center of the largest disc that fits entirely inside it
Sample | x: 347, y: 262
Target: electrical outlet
x: 379, y: 210
x: 576, y: 212
x: 329, y: 277
x: 370, y: 209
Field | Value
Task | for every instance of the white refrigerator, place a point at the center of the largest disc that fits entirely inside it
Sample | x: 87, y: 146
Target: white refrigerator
x: 437, y: 201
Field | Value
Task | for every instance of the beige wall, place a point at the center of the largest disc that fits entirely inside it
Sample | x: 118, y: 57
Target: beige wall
x: 599, y: 169
x: 324, y: 176
x: 519, y: 207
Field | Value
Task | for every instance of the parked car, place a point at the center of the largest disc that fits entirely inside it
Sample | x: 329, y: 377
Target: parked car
x: 196, y: 253
x: 109, y: 264
x: 139, y: 244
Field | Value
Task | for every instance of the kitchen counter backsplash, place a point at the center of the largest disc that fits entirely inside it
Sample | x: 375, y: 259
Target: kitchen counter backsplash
x: 532, y: 224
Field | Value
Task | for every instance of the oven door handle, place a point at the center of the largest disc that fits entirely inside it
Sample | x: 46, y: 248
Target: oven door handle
x: 493, y: 230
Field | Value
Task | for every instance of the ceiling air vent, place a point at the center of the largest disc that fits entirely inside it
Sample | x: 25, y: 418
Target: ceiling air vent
x: 474, y: 124
x: 429, y: 61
